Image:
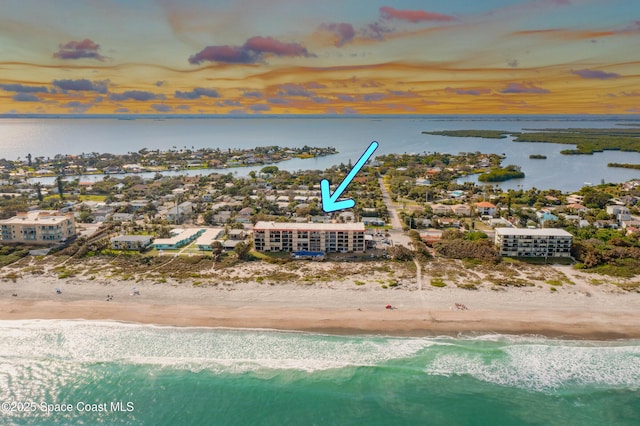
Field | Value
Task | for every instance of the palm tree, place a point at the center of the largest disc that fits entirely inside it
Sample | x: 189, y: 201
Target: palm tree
x: 60, y: 186
x: 38, y: 187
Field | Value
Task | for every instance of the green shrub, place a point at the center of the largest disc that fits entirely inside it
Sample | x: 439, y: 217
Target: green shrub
x: 468, y: 286
x: 437, y: 282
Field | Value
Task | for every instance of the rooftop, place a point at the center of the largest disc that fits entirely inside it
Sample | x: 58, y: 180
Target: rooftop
x: 209, y: 236
x: 286, y: 226
x: 131, y: 238
x: 486, y: 204
x: 41, y: 217
x: 533, y: 232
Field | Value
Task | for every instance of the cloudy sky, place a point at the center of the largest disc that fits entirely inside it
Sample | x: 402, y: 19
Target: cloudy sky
x: 320, y: 57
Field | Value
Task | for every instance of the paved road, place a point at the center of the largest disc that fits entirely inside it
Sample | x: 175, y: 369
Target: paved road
x: 397, y: 234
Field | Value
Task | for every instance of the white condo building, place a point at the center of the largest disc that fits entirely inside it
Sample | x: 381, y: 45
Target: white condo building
x: 38, y: 227
x: 314, y: 237
x: 543, y: 242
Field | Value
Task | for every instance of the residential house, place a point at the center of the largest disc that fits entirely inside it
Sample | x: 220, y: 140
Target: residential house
x: 222, y: 217
x: 630, y: 224
x: 372, y: 221
x: 446, y: 222
x: 485, y: 208
x: 500, y: 222
x: 440, y: 209
x: 244, y: 215
x: 577, y: 208
x: 461, y: 210
x: 575, y: 199
x: 237, y: 234
x: 617, y: 210
x: 130, y: 242
x: 123, y: 217
x: 609, y: 223
x: 178, y: 213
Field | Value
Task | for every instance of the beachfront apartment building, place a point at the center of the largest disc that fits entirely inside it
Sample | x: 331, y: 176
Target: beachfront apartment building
x: 543, y: 242
x: 312, y: 237
x: 38, y: 227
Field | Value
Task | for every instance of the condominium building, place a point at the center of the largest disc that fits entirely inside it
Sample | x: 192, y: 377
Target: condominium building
x: 314, y: 237
x: 544, y: 242
x: 38, y: 227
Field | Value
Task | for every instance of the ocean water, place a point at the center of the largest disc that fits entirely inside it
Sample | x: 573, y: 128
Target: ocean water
x: 351, y: 136
x: 169, y: 375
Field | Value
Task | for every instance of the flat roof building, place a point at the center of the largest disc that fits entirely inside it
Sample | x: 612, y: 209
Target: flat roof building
x: 38, y: 227
x: 130, y: 242
x: 181, y: 239
x: 205, y: 240
x: 314, y: 237
x: 544, y: 242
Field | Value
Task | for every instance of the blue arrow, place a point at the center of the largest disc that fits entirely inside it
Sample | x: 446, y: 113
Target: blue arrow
x: 330, y: 202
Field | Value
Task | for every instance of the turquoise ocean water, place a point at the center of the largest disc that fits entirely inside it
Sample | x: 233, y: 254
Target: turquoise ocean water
x: 140, y: 374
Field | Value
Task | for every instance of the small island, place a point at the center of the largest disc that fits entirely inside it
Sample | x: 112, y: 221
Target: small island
x: 502, y: 174
x: 586, y: 140
x: 538, y: 157
x: 624, y: 165
x: 485, y: 134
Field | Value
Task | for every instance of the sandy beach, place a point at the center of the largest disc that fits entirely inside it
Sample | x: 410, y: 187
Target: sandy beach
x: 579, y: 310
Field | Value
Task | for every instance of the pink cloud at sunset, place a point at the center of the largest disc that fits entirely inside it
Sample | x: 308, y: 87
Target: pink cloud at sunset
x: 79, y: 50
x: 252, y: 51
x: 414, y: 16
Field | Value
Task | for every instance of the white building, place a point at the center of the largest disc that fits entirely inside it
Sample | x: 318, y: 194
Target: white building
x: 314, y: 237
x: 544, y: 242
x: 177, y: 213
x: 205, y: 241
x: 130, y: 242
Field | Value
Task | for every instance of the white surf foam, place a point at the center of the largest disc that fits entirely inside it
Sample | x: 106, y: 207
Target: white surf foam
x: 546, y: 366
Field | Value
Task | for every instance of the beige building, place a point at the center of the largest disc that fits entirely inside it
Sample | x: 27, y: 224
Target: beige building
x: 543, y: 242
x: 315, y: 237
x: 38, y: 227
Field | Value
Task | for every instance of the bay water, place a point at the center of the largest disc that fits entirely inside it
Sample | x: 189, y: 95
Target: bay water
x: 350, y: 136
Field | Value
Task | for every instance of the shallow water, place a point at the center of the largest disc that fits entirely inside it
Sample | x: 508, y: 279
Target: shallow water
x: 170, y: 375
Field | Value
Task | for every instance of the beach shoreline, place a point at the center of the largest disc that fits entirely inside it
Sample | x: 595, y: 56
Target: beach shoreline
x: 602, y: 313
x: 409, y: 323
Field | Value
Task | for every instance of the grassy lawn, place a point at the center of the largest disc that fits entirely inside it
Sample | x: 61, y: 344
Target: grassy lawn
x: 270, y: 256
x: 96, y: 198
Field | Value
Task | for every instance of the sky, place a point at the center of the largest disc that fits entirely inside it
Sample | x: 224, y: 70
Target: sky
x: 320, y: 57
